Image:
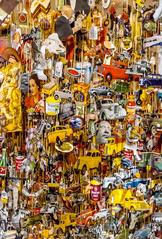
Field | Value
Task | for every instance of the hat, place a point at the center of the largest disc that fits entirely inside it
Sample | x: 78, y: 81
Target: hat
x: 105, y: 3
x: 9, y: 52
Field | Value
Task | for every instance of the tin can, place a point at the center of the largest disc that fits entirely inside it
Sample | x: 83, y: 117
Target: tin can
x: 19, y: 162
x: 95, y: 191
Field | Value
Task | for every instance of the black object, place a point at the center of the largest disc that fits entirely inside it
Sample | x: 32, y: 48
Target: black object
x: 81, y: 6
x: 63, y: 28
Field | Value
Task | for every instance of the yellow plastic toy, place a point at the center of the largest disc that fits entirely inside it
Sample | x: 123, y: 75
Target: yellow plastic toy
x: 67, y: 219
x: 49, y: 90
x: 114, y: 145
x: 91, y: 161
x: 118, y: 196
x: 60, y: 131
x: 125, y: 198
x: 134, y: 204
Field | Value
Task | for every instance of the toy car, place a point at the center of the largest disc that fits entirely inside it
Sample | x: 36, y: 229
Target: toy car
x: 143, y: 233
x: 139, y: 68
x: 85, y: 217
x: 118, y: 195
x: 133, y: 183
x: 67, y: 110
x: 101, y: 103
x: 65, y: 94
x: 125, y: 198
x: 60, y: 131
x: 114, y: 72
x: 157, y: 217
x: 103, y: 213
x: 110, y: 182
x: 136, y: 205
x: 90, y: 161
x: 126, y: 162
x: 127, y: 174
x: 112, y: 111
x: 151, y: 80
x: 67, y: 219
x: 101, y: 91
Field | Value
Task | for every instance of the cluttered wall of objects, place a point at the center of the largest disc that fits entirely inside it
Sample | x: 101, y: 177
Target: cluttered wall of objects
x: 81, y: 119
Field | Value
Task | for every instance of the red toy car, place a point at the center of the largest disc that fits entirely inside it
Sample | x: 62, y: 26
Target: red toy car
x: 117, y: 71
x: 85, y: 217
x: 114, y: 72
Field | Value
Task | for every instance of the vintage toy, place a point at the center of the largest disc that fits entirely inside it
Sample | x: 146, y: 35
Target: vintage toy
x: 121, y: 86
x: 85, y: 217
x: 143, y: 233
x: 114, y: 72
x: 102, y: 90
x: 49, y: 88
x: 67, y: 110
x: 65, y: 94
x: 112, y: 111
x: 150, y: 163
x: 158, y: 199
x: 59, y: 131
x: 103, y: 132
x: 127, y: 174
x: 111, y: 182
x: 133, y: 183
x: 81, y: 93
x: 103, y: 213
x: 114, y: 145
x: 151, y: 80
x: 127, y: 201
x: 67, y: 220
x: 139, y: 68
x: 91, y: 161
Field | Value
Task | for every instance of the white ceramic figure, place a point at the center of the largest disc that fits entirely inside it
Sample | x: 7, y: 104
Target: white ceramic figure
x: 158, y: 12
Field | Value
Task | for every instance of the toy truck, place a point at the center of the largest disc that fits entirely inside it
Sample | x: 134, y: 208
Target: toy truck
x: 67, y: 219
x: 125, y: 198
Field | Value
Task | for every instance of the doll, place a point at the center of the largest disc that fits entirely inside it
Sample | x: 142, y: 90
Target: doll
x: 65, y: 31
